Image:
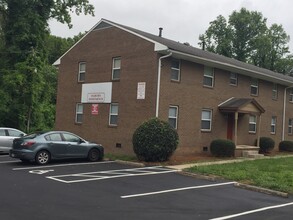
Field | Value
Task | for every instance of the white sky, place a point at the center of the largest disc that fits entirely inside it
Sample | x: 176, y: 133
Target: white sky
x: 182, y: 20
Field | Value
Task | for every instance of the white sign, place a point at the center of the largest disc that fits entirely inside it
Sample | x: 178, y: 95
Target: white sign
x: 141, y: 90
x: 96, y: 93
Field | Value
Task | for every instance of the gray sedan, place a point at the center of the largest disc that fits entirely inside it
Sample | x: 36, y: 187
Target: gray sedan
x: 54, y: 145
x: 7, y: 135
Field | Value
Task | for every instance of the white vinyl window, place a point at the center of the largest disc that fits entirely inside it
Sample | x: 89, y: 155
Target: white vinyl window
x: 252, y: 124
x: 116, y: 68
x: 81, y: 72
x: 273, y: 125
x: 113, y: 116
x: 275, y: 91
x: 208, y: 79
x: 175, y: 70
x: 78, y: 113
x: 173, y: 116
x: 233, y: 79
x: 291, y: 95
x: 290, y: 124
x: 254, y: 87
x: 206, y: 120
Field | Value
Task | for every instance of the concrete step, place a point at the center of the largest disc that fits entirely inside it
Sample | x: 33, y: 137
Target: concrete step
x: 246, y: 153
x: 256, y: 156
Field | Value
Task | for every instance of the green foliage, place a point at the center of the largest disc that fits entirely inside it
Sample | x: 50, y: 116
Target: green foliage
x: 286, y: 146
x: 154, y: 140
x: 222, y: 148
x: 28, y: 82
x: 266, y: 144
x: 246, y: 37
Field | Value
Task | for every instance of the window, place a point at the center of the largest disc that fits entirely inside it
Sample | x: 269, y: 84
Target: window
x: 275, y: 91
x: 208, y: 79
x: 79, y: 113
x: 173, y: 115
x: 81, y: 72
x: 175, y: 70
x: 206, y: 120
x: 71, y: 138
x: 2, y: 132
x: 254, y: 87
x: 290, y: 123
x: 291, y: 95
x: 273, y: 125
x: 116, y: 68
x: 233, y: 79
x: 113, y: 118
x: 252, y: 124
x: 14, y: 133
x: 53, y: 137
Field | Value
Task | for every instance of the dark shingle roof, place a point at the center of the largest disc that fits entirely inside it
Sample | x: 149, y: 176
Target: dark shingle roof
x: 235, y: 104
x: 196, y: 52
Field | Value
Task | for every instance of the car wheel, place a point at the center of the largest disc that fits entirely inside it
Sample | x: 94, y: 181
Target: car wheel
x: 94, y: 155
x: 43, y: 157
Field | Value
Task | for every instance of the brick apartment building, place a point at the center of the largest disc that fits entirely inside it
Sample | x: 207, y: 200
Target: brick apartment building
x: 117, y: 77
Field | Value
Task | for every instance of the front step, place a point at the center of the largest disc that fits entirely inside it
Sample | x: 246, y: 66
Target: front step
x: 247, y: 151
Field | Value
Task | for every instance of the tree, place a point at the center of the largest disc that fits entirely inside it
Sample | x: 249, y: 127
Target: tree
x: 27, y: 80
x: 247, y: 38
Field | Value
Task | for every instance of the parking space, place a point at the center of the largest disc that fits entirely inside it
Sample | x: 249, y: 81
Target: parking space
x: 109, y: 190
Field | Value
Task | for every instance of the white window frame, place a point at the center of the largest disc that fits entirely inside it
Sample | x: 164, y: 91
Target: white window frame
x: 233, y: 79
x: 275, y: 91
x: 291, y: 95
x: 208, y: 75
x: 290, y: 126
x: 254, y: 85
x: 210, y: 111
x: 273, y: 124
x: 78, y: 112
x: 253, y: 123
x: 116, y: 68
x: 176, y: 70
x: 173, y: 117
x: 113, y: 114
x: 81, y: 71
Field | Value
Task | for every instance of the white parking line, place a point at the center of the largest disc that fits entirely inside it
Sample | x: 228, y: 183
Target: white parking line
x: 177, y: 189
x: 253, y: 211
x: 110, y: 174
x: 62, y: 165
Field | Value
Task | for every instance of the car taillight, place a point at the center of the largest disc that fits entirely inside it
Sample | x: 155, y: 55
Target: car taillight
x: 28, y: 143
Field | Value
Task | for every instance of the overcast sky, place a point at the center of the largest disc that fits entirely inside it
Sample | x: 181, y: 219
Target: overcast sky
x: 182, y: 20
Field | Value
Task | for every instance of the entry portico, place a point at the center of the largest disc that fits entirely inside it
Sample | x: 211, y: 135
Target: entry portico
x: 233, y: 107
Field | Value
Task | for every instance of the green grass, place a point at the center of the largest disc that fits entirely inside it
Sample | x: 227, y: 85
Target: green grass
x: 274, y: 173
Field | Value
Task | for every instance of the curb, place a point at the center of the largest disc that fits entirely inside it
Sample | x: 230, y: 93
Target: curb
x: 262, y: 190
x: 130, y: 163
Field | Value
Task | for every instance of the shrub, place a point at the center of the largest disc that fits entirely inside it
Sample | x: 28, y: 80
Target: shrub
x: 266, y: 144
x: 286, y: 146
x: 222, y: 148
x: 154, y: 140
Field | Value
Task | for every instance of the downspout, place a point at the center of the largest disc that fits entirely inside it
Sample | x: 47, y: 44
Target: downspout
x: 284, y: 111
x: 159, y: 81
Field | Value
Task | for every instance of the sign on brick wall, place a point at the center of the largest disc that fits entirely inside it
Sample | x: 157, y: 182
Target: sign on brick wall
x: 96, y: 93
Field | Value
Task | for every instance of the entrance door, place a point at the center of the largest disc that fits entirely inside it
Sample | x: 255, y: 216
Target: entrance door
x: 230, y: 126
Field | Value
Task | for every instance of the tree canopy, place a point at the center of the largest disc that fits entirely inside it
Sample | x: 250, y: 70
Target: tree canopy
x: 245, y: 36
x: 27, y: 50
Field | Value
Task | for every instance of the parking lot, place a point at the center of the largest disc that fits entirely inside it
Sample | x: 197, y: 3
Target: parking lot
x: 110, y: 190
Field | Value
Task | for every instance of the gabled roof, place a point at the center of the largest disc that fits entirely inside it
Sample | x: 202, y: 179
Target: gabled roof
x: 181, y: 51
x: 241, y: 105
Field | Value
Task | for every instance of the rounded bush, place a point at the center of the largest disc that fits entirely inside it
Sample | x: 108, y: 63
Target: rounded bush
x: 286, y: 146
x: 222, y: 148
x: 266, y: 144
x: 155, y: 140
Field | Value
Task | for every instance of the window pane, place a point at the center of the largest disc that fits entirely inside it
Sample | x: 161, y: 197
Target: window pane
x: 79, y: 118
x: 206, y: 115
x: 79, y: 108
x: 71, y: 138
x: 175, y: 64
x: 14, y: 133
x: 2, y: 132
x: 82, y: 67
x: 81, y: 77
x: 206, y: 125
x: 113, y: 119
x: 172, y: 112
x: 114, y: 109
x: 207, y: 81
x: 252, y: 127
x: 208, y: 71
x: 117, y: 63
x: 252, y: 118
x: 172, y: 122
x: 116, y: 74
x: 174, y: 74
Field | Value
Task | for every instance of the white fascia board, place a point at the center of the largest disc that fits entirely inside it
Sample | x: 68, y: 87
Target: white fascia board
x: 244, y: 71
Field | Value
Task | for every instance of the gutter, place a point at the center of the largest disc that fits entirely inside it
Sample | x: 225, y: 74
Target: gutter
x: 284, y: 111
x: 159, y: 81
